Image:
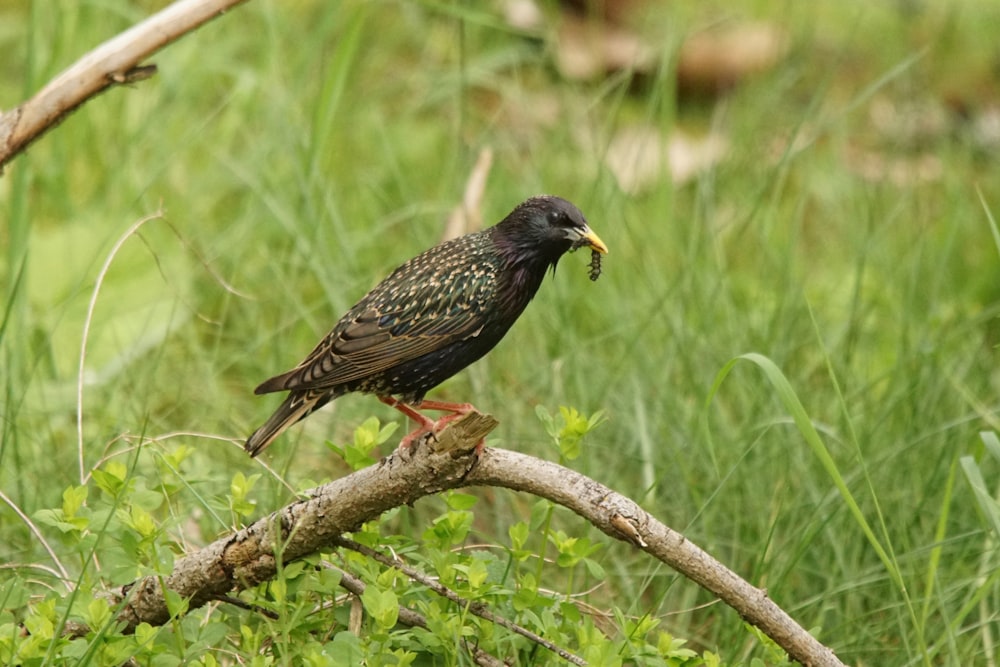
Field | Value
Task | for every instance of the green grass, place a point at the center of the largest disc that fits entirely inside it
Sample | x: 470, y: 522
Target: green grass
x: 298, y: 154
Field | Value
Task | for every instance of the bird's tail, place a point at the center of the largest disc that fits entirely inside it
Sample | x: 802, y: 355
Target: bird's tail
x: 296, y: 406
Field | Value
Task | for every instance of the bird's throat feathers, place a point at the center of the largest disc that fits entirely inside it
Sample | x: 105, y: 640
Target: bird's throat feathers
x: 530, y: 254
x: 526, y: 269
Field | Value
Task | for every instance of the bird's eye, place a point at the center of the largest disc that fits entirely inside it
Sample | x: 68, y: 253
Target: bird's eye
x: 558, y: 219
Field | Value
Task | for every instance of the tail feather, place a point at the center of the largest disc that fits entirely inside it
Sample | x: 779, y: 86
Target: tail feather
x: 295, y: 407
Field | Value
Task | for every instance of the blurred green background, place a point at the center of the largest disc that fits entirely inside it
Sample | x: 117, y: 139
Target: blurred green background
x: 823, y: 198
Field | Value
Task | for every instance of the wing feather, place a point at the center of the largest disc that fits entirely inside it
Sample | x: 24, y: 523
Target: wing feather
x: 396, y: 323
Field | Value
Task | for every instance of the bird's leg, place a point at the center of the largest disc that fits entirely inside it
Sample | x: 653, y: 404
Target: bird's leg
x: 444, y: 406
x: 428, y: 425
x: 408, y: 410
x: 456, y: 409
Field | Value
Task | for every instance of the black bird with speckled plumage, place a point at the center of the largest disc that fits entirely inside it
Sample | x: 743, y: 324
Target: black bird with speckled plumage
x: 432, y: 317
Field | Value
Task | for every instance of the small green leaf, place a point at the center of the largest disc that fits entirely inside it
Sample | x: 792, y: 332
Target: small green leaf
x: 13, y: 594
x: 55, y: 519
x: 345, y: 649
x: 73, y: 499
x: 279, y: 590
x: 527, y: 596
x: 671, y: 647
x: 546, y: 418
x: 381, y: 605
x: 143, y: 522
x: 176, y: 605
x: 449, y: 529
x: 145, y: 633
x: 294, y: 570
x: 569, y: 611
x: 460, y: 501
x: 386, y: 432
x: 568, y: 430
x: 476, y: 573
x: 518, y: 533
x: 595, y: 569
x: 711, y: 659
x: 240, y: 486
x: 98, y: 613
x: 40, y: 627
x: 357, y: 458
x: 540, y: 512
x: 110, y: 477
x: 367, y: 437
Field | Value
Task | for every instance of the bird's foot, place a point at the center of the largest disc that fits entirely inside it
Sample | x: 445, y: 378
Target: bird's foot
x: 426, y: 424
x: 413, y: 436
x: 457, y: 410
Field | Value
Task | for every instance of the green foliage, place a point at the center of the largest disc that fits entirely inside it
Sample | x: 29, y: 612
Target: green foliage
x: 367, y: 437
x: 989, y: 506
x: 846, y: 246
x: 568, y: 430
x: 311, y: 624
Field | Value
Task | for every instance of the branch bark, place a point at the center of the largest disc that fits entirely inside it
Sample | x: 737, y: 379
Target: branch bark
x: 250, y: 556
x: 622, y: 519
x: 314, y: 523
x: 115, y: 62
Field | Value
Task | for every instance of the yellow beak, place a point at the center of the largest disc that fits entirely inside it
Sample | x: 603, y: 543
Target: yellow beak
x: 593, y: 240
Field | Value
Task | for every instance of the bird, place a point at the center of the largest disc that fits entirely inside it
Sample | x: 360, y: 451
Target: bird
x: 430, y: 318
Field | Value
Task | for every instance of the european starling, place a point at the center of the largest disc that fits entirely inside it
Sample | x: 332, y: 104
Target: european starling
x: 431, y: 317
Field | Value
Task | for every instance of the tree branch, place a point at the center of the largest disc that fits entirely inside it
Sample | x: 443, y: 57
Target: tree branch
x: 316, y: 522
x: 622, y: 519
x: 116, y: 62
x: 249, y: 556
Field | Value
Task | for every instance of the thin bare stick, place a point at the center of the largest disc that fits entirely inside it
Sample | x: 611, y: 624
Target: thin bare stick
x: 414, y: 619
x: 38, y: 535
x: 236, y: 602
x: 86, y: 333
x: 115, y: 62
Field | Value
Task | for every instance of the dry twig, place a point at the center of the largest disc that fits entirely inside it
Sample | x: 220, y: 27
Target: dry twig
x: 116, y: 62
x: 413, y: 619
x: 476, y: 608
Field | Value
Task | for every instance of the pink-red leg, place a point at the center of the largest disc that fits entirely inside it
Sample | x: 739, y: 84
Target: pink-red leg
x: 456, y: 409
x: 426, y: 424
x: 444, y: 406
x: 408, y: 410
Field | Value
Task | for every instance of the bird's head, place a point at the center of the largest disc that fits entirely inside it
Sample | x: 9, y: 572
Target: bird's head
x: 542, y: 229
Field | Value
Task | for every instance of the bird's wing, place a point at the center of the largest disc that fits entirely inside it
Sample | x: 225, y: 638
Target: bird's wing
x: 380, y: 333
